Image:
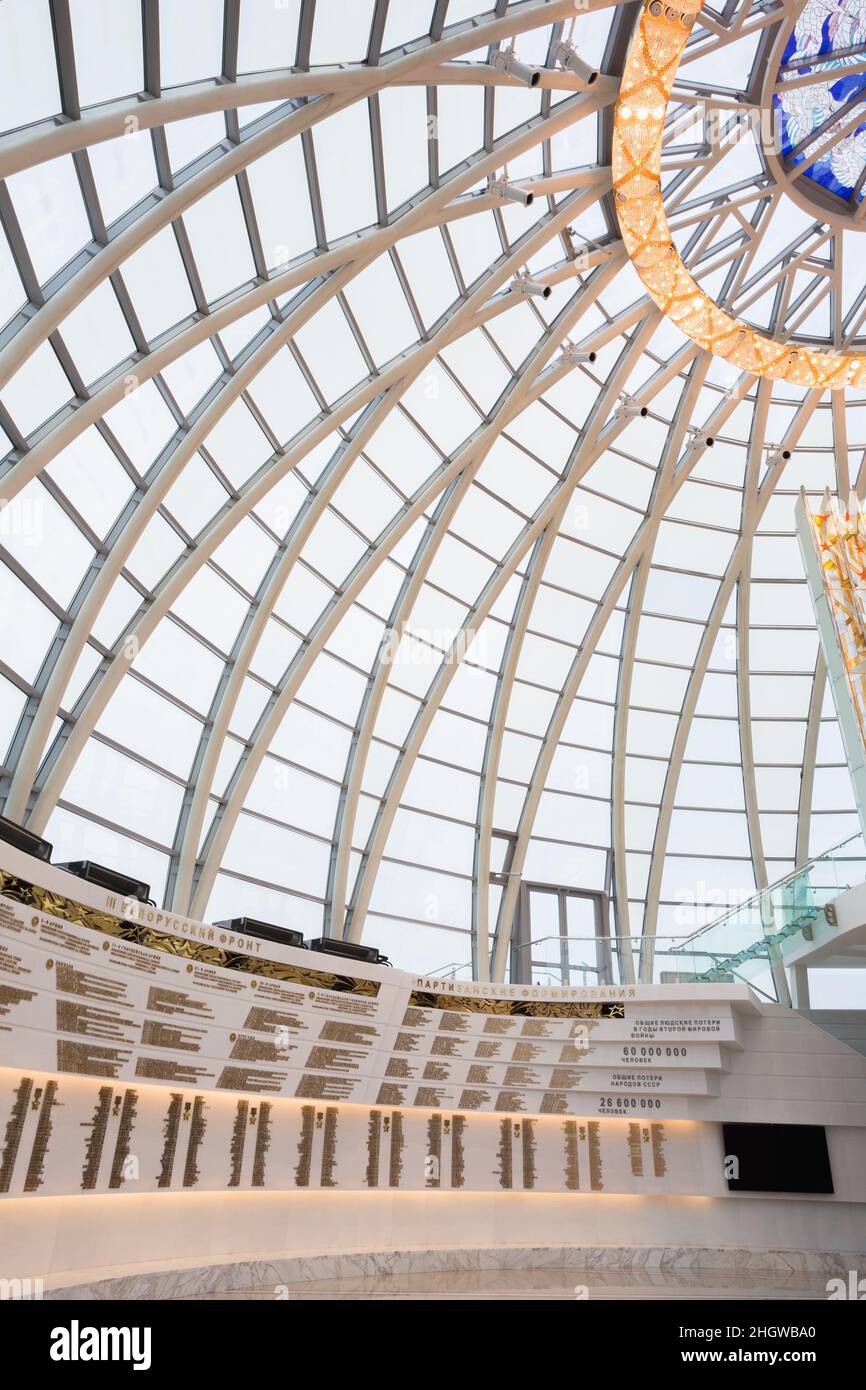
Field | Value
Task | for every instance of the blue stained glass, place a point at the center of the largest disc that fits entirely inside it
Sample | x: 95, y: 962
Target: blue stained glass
x: 824, y: 28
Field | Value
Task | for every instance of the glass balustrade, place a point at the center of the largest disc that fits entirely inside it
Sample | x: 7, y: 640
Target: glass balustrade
x: 744, y: 944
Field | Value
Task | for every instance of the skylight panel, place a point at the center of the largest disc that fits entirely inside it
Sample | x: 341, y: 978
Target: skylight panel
x: 29, y: 90
x: 478, y: 367
x: 99, y: 28
x: 294, y: 790
x: 325, y: 744
x: 476, y: 243
x: 333, y: 689
x: 441, y: 410
x: 175, y: 660
x: 157, y: 284
x: 274, y: 651
x: 27, y: 627
x: 406, y: 130
x: 365, y: 498
x: 212, y: 607
x: 332, y: 549
x: 481, y: 515
x: 114, y: 615
x: 544, y: 434
x: 192, y: 137
x: 459, y: 10
x: 248, y: 708
x: 73, y: 834
x: 142, y: 801
x: 12, y: 702
x: 93, y: 480
x: 50, y: 210
x: 236, y: 335
x: 331, y: 352
x: 192, y: 374
x: 407, y: 20
x: 341, y: 33
x: 225, y: 261
x: 12, y: 296
x: 281, y: 393
x: 302, y: 598
x: 278, y: 182
x: 196, y: 496
x: 357, y: 638
x: 401, y: 451
x: 245, y: 554
x: 516, y: 332
x: 124, y: 172
x: 344, y: 168
x: 560, y: 614
x: 459, y: 124
x: 190, y: 41
x: 381, y: 311
x: 53, y: 551
x: 237, y: 444
x: 37, y: 390
x: 151, y: 725
x: 508, y: 473
x: 512, y: 107
x: 428, y: 270
x: 155, y: 552
x: 267, y: 34
x: 96, y: 333
x: 142, y: 424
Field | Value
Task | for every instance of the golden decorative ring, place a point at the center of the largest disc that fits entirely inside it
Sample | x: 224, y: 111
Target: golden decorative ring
x: 650, y: 69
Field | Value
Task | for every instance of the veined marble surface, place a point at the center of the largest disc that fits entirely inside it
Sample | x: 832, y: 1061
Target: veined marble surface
x: 517, y: 1272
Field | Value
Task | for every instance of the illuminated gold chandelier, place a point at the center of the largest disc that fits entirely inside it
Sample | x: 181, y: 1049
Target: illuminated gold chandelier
x: 653, y: 58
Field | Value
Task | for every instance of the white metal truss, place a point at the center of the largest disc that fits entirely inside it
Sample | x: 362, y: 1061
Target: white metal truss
x: 724, y: 229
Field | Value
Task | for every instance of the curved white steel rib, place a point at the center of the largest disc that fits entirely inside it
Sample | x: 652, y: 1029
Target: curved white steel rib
x: 634, y: 611
x: 518, y: 399
x: 243, y: 378
x: 218, y: 724
x: 761, y: 497
x: 640, y: 546
x: 50, y: 315
x: 744, y: 702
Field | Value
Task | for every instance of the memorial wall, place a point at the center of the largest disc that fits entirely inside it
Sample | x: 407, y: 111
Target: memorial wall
x: 141, y: 1052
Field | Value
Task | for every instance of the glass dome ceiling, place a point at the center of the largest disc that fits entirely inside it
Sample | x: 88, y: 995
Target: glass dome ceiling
x: 340, y: 587
x: 822, y: 81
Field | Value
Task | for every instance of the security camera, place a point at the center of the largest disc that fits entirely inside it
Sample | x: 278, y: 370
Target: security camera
x: 533, y: 287
x: 630, y: 410
x: 777, y: 456
x: 506, y: 62
x: 699, y: 440
x: 503, y: 189
x: 565, y: 55
x: 575, y: 357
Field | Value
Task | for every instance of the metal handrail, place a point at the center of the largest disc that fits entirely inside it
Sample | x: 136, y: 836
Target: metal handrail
x: 756, y: 898
x: 635, y: 943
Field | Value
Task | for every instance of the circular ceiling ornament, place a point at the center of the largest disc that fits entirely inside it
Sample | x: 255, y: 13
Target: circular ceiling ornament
x: 654, y: 55
x: 813, y: 93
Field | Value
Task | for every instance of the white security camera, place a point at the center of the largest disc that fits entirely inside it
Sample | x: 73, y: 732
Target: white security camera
x: 575, y: 357
x: 507, y: 63
x: 537, y: 288
x: 567, y: 57
x: 503, y: 189
x: 699, y: 440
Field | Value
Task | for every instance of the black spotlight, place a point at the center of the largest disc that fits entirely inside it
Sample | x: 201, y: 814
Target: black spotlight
x: 108, y: 878
x: 266, y: 931
x: 15, y: 834
x: 352, y: 950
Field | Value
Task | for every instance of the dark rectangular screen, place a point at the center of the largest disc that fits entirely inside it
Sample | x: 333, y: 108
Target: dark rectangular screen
x: 778, y: 1158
